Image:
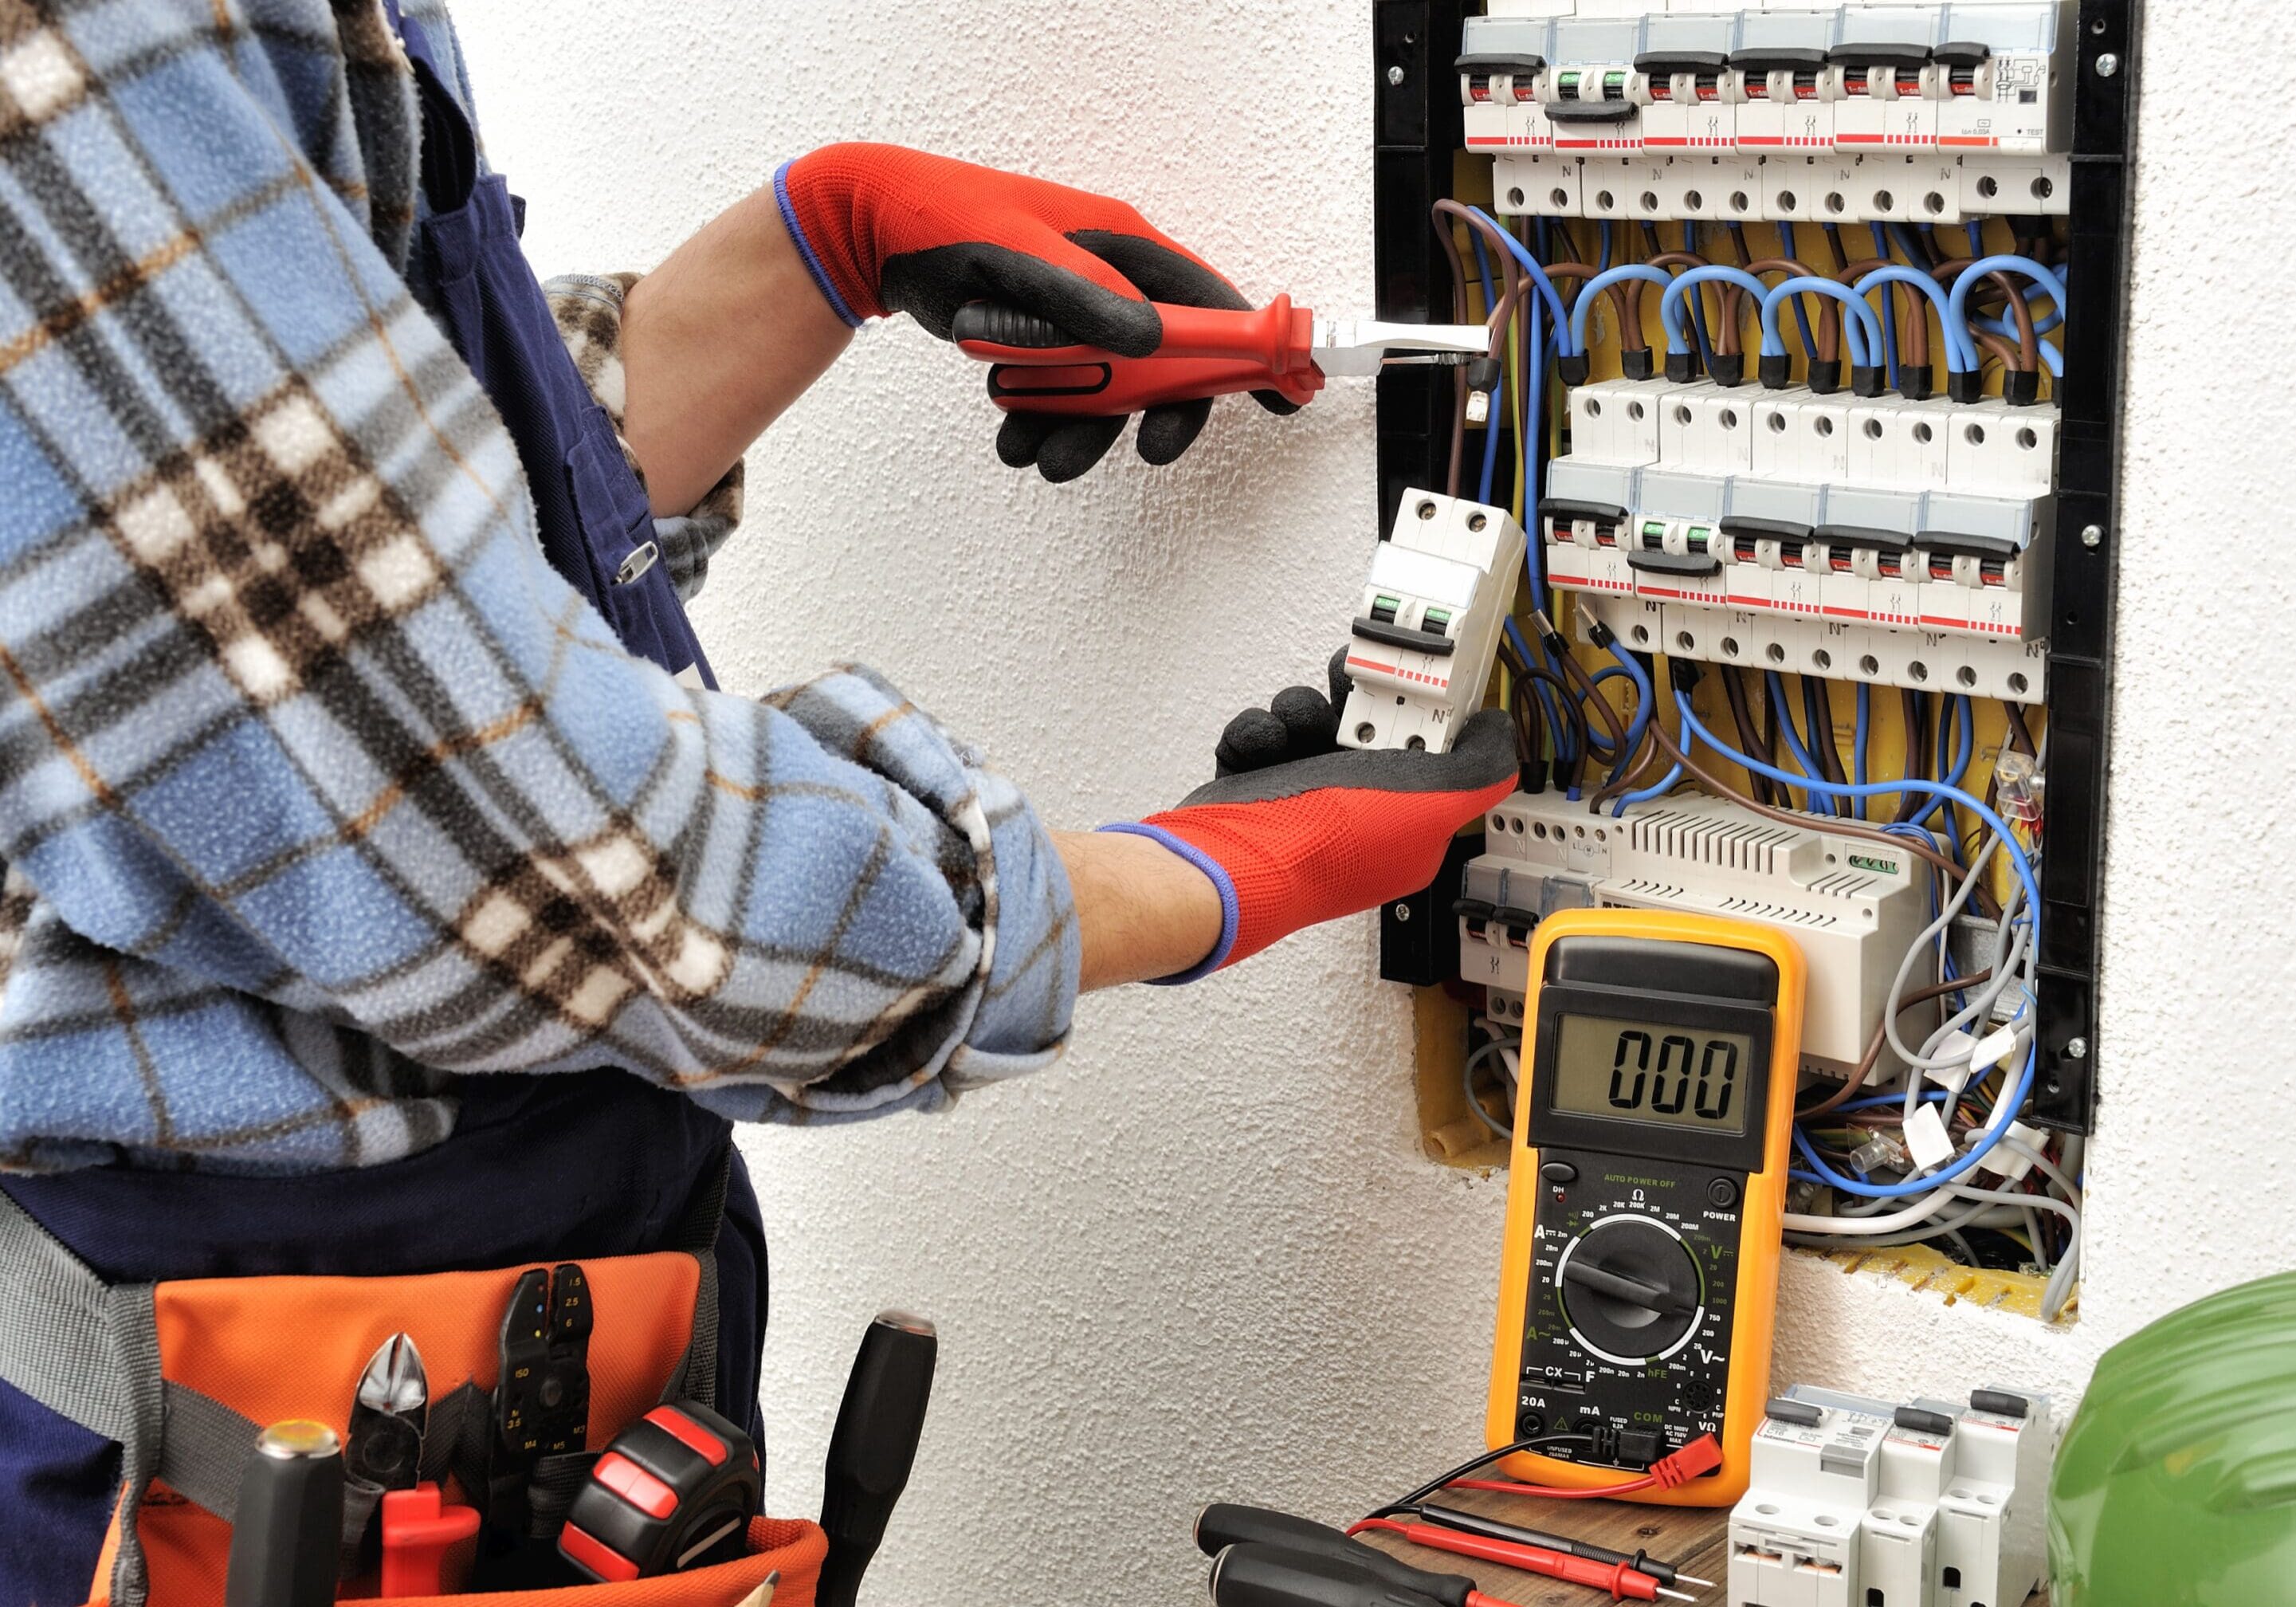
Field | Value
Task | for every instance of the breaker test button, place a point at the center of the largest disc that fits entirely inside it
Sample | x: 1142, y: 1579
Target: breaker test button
x: 1721, y: 1193
x: 1559, y: 1172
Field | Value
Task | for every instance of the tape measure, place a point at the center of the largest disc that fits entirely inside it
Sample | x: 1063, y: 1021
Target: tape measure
x: 1644, y: 1214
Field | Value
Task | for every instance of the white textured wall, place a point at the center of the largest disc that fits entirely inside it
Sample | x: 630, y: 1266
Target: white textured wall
x: 1203, y: 1259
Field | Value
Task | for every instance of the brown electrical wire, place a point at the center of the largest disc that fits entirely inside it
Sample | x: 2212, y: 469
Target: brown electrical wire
x: 1749, y: 736
x: 2019, y: 309
x: 1855, y: 1081
x: 1841, y: 828
x: 1912, y: 311
x: 1826, y: 749
x: 1915, y: 712
x: 1501, y: 314
x: 1829, y: 320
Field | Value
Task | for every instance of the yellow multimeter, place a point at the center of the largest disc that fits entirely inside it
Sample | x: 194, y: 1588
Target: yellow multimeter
x: 1646, y: 1211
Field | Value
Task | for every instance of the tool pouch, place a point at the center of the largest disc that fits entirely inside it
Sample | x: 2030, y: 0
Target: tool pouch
x: 183, y: 1373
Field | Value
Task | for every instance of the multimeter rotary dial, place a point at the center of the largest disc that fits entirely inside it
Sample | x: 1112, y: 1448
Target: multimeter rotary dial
x: 1631, y: 1290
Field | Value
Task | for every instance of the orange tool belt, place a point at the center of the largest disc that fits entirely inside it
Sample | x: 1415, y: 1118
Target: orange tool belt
x: 184, y: 1375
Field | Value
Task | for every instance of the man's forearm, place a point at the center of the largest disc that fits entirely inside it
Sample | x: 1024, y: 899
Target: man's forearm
x: 1141, y: 911
x: 716, y: 342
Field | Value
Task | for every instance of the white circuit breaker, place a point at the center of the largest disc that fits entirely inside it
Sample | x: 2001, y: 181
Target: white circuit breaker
x: 1855, y: 1503
x: 1421, y: 644
x: 1852, y: 907
x: 1899, y: 543
x: 1687, y: 109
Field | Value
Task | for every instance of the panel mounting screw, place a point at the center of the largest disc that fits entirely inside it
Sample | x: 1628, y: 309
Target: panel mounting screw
x: 1395, y: 75
x: 2107, y: 65
x: 2093, y: 535
x: 1403, y: 912
x: 2078, y: 1049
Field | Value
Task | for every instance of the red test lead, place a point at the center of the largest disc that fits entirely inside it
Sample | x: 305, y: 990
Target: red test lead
x: 1622, y: 1580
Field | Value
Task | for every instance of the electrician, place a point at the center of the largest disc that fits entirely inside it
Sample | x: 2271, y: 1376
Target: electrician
x: 386, y: 892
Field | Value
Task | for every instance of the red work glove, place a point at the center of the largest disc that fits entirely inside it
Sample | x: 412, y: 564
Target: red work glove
x: 1298, y: 830
x: 887, y: 230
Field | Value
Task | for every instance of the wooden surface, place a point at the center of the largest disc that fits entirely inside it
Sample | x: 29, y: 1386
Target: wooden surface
x: 1695, y: 1540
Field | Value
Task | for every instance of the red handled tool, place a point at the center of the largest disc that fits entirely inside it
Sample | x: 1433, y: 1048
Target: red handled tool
x: 669, y: 1491
x: 1206, y: 352
x: 427, y: 1543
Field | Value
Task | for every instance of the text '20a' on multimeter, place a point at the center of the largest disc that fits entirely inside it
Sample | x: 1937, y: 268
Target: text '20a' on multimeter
x: 1645, y: 1209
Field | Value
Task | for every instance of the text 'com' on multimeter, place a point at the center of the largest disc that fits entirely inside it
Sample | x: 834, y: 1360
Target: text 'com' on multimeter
x: 1639, y: 1294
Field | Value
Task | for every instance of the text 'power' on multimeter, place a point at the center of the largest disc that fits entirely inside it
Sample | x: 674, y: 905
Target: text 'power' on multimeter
x: 1638, y: 1296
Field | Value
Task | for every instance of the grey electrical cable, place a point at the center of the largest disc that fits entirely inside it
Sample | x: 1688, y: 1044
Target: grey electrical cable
x: 2059, y: 1288
x: 1467, y: 1084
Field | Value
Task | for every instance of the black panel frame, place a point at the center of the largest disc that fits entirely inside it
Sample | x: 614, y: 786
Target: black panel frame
x: 1419, y: 128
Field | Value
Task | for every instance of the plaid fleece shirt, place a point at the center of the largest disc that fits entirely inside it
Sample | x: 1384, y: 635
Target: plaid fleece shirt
x: 319, y: 789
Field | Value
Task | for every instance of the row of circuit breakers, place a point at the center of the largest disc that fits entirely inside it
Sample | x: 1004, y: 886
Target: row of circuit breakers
x: 1781, y: 112
x: 1884, y: 539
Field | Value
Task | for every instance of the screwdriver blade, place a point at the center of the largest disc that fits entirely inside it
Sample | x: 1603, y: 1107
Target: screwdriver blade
x: 1356, y: 347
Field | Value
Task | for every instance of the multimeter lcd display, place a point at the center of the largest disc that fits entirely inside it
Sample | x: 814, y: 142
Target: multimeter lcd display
x: 1626, y: 1070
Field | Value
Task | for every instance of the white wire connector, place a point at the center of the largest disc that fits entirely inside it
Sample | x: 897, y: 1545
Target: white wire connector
x: 1926, y: 1139
x: 2004, y: 1161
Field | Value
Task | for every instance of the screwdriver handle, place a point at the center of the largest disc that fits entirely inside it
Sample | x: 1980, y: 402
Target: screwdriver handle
x: 287, y: 1534
x: 1206, y: 352
x: 1256, y: 1575
x: 1224, y: 1524
x: 874, y: 1446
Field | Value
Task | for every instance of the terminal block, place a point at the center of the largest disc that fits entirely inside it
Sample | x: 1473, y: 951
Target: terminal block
x: 1931, y: 1503
x: 1421, y: 645
x: 1852, y: 907
x: 1842, y: 113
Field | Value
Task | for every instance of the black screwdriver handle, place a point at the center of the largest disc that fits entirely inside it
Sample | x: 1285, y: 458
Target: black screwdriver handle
x: 1224, y: 1524
x: 1268, y: 1576
x: 287, y: 1533
x: 872, y: 1447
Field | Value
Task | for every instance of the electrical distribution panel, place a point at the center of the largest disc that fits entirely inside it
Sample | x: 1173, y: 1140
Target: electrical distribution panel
x: 1855, y: 1503
x: 1823, y: 114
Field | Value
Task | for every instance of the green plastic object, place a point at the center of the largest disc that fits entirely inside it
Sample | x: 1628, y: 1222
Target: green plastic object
x: 2175, y: 1485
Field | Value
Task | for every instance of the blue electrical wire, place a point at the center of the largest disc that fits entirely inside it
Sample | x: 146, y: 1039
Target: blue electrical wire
x: 1855, y: 329
x: 1699, y: 328
x: 1535, y: 268
x: 1669, y: 307
x: 2003, y: 1113
x: 1645, y: 704
x: 1603, y: 263
x: 1993, y: 823
x: 1532, y: 428
x: 1783, y: 717
x: 1491, y: 424
x: 1858, y: 746
x: 1961, y: 353
x: 1664, y: 786
x: 1958, y: 302
x: 1976, y: 238
x: 1593, y: 290
x: 1889, y: 307
x: 1802, y: 313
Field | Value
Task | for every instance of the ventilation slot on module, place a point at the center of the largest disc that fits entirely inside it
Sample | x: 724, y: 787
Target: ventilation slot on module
x: 1731, y: 845
x: 1782, y: 914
